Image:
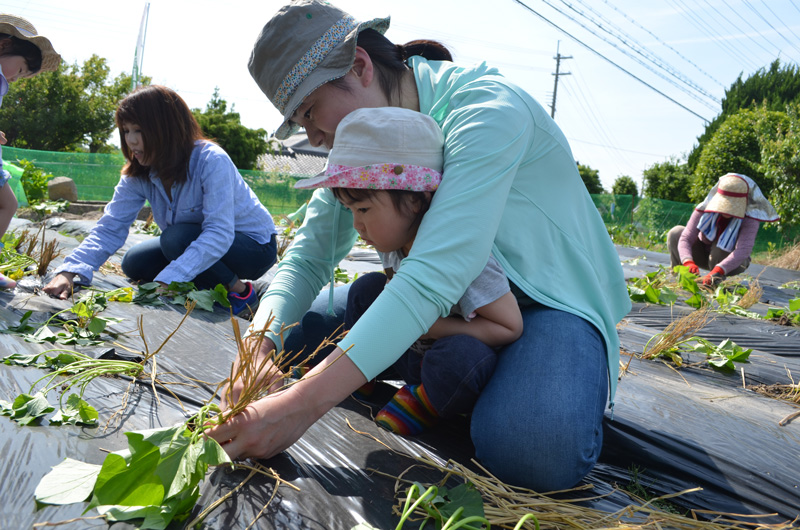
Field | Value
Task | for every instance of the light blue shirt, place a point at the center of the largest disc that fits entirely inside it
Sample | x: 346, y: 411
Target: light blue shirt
x: 4, y: 175
x: 510, y: 187
x: 214, y: 196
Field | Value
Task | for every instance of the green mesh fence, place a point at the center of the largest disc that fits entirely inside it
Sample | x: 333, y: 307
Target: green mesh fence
x: 95, y: 176
x: 653, y: 218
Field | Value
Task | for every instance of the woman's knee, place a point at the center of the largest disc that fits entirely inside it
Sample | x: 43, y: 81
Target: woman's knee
x: 538, y: 422
x: 175, y: 239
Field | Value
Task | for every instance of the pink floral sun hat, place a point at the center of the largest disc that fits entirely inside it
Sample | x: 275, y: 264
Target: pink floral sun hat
x: 385, y: 148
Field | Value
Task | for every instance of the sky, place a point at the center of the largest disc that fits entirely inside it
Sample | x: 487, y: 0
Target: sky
x: 639, y: 80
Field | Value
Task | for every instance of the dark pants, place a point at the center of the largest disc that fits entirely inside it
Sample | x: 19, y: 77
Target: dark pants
x: 453, y: 370
x: 244, y: 259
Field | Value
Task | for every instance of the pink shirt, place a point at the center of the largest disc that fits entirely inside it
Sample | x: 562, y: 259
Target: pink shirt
x: 742, y: 250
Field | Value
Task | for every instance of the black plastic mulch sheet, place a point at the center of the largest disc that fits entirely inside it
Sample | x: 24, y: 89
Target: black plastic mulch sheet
x: 684, y: 429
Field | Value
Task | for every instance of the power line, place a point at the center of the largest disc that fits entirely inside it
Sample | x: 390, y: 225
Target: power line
x: 746, y: 21
x: 645, y: 83
x: 640, y: 61
x: 639, y: 48
x: 754, y: 10
x: 704, y: 27
x: 679, y: 54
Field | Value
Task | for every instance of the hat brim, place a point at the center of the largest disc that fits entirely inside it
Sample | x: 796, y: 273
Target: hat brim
x: 375, y: 177
x: 335, y: 65
x: 317, y: 181
x: 50, y: 59
x: 733, y: 206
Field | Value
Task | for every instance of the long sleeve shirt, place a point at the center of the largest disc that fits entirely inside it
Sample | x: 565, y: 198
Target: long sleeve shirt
x: 741, y: 251
x: 214, y: 195
x: 510, y: 187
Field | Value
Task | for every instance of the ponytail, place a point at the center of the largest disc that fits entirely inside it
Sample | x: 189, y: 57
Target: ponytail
x: 390, y: 60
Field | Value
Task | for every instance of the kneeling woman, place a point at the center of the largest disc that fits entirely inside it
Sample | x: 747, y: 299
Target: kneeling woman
x: 214, y: 229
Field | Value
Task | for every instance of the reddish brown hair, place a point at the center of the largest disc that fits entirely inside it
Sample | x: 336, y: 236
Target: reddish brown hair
x: 169, y: 132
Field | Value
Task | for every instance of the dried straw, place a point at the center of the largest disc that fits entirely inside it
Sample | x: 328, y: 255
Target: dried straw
x: 505, y: 505
x: 677, y: 332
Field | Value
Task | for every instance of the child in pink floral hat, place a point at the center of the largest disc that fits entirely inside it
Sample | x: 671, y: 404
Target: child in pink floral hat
x: 384, y: 168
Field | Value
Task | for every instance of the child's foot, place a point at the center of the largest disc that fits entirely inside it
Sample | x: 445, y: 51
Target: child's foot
x: 6, y: 282
x: 409, y: 412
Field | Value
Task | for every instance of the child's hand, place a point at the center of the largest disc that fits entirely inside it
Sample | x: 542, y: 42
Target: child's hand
x: 3, y: 138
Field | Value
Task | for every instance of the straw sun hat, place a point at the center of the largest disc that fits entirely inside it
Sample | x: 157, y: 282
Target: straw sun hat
x: 731, y: 196
x: 306, y: 44
x: 22, y: 29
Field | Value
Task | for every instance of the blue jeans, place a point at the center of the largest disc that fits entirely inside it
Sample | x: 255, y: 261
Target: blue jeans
x: 244, y: 259
x: 538, y: 422
x: 453, y: 371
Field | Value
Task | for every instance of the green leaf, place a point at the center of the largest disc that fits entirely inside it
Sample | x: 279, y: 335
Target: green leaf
x: 462, y: 496
x: 28, y: 409
x: 23, y: 327
x: 204, y: 299
x: 220, y: 295
x: 667, y: 296
x: 696, y: 301
x: 69, y: 482
x: 77, y: 411
x: 21, y: 359
x: 96, y: 325
x: 134, y: 484
x: 794, y: 304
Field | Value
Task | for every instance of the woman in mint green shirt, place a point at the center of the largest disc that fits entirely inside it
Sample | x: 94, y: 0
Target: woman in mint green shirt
x: 510, y: 187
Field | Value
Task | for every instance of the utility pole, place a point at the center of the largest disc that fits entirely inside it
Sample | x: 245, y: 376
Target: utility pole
x: 138, y: 56
x: 558, y: 58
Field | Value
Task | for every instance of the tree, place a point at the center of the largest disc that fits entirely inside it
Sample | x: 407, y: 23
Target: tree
x: 669, y: 180
x: 772, y: 88
x: 624, y: 185
x: 591, y: 179
x: 70, y: 109
x: 780, y: 163
x: 736, y: 148
x: 243, y: 145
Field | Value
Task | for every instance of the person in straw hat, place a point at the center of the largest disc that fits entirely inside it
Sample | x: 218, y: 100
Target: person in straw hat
x: 720, y: 234
x: 384, y: 168
x: 23, y: 53
x: 510, y: 188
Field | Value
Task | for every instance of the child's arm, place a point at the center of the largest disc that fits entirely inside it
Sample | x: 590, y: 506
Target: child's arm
x: 8, y: 205
x: 498, y: 323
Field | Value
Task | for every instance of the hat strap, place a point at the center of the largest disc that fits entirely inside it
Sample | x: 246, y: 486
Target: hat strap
x: 311, y: 59
x: 731, y: 193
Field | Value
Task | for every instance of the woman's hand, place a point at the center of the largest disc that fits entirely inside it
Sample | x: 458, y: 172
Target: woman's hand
x: 271, y: 424
x: 61, y: 286
x: 270, y: 374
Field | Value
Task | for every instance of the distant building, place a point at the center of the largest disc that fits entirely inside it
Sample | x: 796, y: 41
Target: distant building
x: 297, y: 158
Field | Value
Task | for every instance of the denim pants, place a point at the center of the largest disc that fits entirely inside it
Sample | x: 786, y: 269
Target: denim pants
x: 244, y: 259
x: 538, y: 421
x: 453, y: 371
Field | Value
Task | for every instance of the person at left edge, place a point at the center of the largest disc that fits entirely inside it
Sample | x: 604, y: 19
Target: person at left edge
x: 23, y: 53
x: 214, y: 229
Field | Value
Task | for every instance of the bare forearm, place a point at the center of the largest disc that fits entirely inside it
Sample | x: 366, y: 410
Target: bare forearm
x: 490, y: 333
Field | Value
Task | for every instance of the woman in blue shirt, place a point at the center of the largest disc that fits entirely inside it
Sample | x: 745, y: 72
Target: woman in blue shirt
x: 214, y: 229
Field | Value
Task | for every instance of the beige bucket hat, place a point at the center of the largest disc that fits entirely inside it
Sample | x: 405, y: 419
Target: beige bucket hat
x: 306, y: 44
x: 22, y: 29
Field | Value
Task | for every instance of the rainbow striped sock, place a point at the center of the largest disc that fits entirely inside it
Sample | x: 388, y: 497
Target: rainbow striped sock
x: 409, y: 412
